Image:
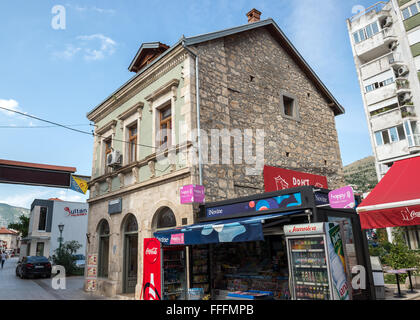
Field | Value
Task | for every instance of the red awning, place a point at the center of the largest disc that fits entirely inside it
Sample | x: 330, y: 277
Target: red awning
x: 395, y: 201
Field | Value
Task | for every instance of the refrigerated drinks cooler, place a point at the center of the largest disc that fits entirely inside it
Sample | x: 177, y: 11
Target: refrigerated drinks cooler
x: 317, y: 264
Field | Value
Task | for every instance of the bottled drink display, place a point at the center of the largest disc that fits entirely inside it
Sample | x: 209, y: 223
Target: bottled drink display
x: 310, y: 269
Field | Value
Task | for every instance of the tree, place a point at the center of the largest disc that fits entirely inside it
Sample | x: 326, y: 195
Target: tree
x: 399, y: 255
x: 64, y: 256
x: 22, y: 226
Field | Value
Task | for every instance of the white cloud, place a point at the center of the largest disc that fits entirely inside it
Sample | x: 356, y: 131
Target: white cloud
x: 93, y: 47
x: 91, y: 9
x: 9, y: 104
x: 24, y: 199
x: 68, y: 53
x: 70, y: 195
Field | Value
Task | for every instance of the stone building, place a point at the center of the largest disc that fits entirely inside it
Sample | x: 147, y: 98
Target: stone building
x: 249, y: 77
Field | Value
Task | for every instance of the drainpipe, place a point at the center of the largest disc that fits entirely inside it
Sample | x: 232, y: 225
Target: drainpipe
x: 197, y: 94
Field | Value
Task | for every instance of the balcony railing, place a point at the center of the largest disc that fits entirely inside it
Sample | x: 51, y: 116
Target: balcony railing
x: 408, y: 111
x: 377, y: 7
x: 414, y: 141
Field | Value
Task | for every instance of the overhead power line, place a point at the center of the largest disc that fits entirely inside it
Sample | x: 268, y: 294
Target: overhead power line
x: 92, y: 133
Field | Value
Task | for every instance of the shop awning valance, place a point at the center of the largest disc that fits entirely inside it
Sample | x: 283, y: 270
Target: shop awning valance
x: 229, y: 230
x: 395, y: 201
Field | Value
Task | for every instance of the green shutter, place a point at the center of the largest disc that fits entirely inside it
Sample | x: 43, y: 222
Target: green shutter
x: 403, y: 2
x: 415, y: 49
x: 412, y: 22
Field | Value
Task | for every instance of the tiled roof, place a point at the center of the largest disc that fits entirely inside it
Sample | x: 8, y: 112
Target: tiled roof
x: 3, y: 230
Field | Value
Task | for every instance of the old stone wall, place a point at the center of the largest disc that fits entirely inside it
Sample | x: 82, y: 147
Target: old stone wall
x: 242, y: 78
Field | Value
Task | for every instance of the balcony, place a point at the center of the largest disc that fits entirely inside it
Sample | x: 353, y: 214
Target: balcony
x: 408, y: 111
x: 392, y: 117
x: 403, y: 86
x: 392, y: 150
x: 375, y: 46
x: 414, y: 143
x: 383, y: 93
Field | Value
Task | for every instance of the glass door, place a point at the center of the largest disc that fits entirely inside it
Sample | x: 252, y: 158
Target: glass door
x: 174, y: 273
x: 309, y: 269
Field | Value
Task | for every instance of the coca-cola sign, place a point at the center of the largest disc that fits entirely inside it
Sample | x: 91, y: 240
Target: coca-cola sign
x: 152, y: 252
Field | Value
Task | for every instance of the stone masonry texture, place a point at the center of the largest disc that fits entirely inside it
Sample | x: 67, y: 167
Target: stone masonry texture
x: 242, y: 78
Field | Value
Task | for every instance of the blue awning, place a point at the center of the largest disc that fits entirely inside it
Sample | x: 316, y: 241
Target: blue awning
x: 229, y: 230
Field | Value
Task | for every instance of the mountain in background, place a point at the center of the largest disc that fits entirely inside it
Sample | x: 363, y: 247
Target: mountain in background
x: 361, y: 175
x: 10, y: 214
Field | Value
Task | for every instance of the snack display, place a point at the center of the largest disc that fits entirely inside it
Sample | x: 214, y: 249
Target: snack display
x: 252, y: 266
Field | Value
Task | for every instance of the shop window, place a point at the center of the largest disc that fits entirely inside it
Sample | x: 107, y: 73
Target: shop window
x: 165, y: 126
x: 42, y: 219
x: 132, y: 143
x: 103, y: 257
x: 165, y: 219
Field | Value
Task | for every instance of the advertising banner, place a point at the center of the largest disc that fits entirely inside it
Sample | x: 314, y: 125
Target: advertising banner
x: 151, y: 269
x: 192, y: 194
x: 292, y: 200
x: 92, y: 272
x: 337, y: 261
x: 278, y: 179
x: 342, y: 198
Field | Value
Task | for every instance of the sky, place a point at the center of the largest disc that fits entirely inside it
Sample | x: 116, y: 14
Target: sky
x: 61, y: 69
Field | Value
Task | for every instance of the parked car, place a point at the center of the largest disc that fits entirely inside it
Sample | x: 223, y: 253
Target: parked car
x: 33, y: 266
x: 79, y: 260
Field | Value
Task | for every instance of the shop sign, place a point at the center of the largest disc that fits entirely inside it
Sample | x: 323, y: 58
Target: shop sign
x: 321, y: 199
x: 75, y: 212
x: 192, y: 194
x: 279, y: 179
x: 151, y: 269
x: 115, y: 206
x: 177, y: 238
x: 280, y: 202
x: 342, y: 198
x: 300, y: 229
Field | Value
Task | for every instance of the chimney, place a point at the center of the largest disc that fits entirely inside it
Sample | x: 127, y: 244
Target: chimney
x: 253, y: 15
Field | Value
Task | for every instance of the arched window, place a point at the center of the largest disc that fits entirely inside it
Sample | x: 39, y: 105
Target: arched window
x: 131, y: 224
x: 165, y: 218
x: 103, y: 254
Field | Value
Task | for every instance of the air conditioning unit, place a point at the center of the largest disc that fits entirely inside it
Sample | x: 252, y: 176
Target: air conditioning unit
x: 393, y: 45
x: 114, y: 159
x: 387, y: 22
x: 404, y: 98
x: 402, y: 71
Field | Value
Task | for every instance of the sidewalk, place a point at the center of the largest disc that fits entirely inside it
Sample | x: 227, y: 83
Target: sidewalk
x: 392, y: 289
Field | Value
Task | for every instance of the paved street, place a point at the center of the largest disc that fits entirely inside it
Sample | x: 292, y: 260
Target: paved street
x: 14, y: 288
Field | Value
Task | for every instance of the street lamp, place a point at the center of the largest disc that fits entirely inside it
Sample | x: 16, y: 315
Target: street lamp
x: 61, y: 227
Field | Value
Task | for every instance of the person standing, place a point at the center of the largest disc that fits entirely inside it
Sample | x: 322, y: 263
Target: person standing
x: 3, y: 258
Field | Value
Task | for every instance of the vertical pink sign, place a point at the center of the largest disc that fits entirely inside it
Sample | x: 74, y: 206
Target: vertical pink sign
x: 192, y: 194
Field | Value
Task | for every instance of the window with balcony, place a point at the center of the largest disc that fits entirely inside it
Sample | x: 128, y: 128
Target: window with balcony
x: 165, y: 126
x: 377, y: 85
x: 132, y: 143
x: 411, y: 10
x: 390, y: 135
x: 413, y: 134
x: 366, y: 33
x: 107, y: 151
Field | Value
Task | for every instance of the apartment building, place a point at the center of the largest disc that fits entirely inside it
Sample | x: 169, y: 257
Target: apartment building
x: 385, y: 39
x: 245, y: 77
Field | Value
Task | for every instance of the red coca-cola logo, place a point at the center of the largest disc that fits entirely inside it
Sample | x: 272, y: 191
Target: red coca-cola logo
x: 152, y: 253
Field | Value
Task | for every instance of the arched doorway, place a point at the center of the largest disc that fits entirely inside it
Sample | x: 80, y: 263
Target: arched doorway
x: 103, y: 251
x: 130, y: 254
